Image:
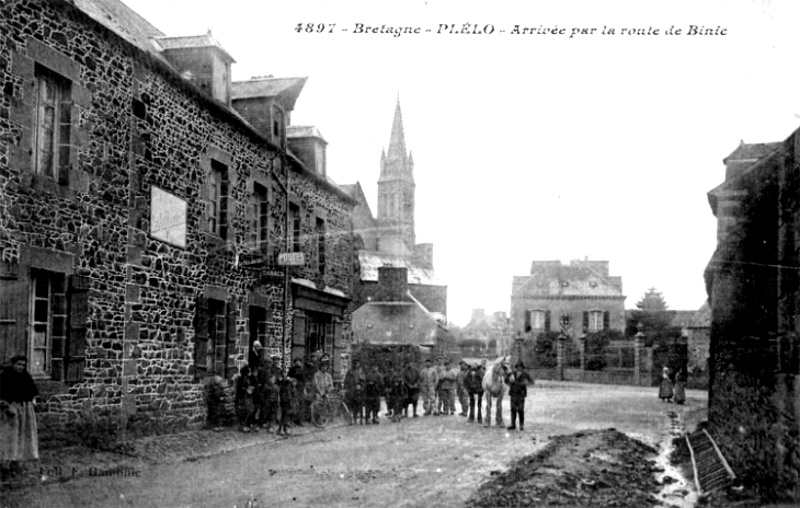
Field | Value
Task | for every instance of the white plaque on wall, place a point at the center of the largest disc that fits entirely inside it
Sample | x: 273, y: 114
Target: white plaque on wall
x: 167, y: 217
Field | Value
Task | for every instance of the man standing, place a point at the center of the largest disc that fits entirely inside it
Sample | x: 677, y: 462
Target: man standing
x: 372, y: 394
x: 429, y: 380
x: 354, y: 390
x: 475, y: 389
x: 518, y: 390
x: 412, y: 379
x: 448, y: 389
x: 298, y: 373
x: 461, y: 387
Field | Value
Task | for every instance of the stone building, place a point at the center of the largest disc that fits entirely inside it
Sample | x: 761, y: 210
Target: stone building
x: 144, y: 202
x: 754, y: 296
x: 390, y: 239
x: 395, y: 317
x: 578, y: 298
x: 490, y: 328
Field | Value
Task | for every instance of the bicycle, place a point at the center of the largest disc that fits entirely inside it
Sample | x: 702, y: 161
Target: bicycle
x: 324, y: 411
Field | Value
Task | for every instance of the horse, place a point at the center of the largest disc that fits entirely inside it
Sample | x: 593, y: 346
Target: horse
x: 494, y: 385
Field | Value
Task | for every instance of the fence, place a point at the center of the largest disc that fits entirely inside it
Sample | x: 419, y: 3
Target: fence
x: 564, y: 358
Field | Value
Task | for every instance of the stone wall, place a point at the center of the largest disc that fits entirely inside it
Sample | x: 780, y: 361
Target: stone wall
x: 135, y: 125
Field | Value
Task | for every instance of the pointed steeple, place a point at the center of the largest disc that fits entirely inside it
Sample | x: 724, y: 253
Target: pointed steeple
x: 397, y: 142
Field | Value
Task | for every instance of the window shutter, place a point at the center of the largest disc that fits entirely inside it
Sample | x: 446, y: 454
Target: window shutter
x: 201, y: 338
x: 547, y: 320
x: 606, y: 319
x: 585, y: 321
x: 299, y: 337
x: 64, y: 148
x: 78, y: 298
x: 224, y: 206
x: 338, y: 335
x: 13, y: 317
x: 231, y: 337
x: 527, y: 326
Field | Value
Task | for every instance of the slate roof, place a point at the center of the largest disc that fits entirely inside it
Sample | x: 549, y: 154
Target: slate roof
x: 567, y: 280
x: 304, y: 131
x: 752, y: 151
x: 371, y: 260
x: 286, y: 89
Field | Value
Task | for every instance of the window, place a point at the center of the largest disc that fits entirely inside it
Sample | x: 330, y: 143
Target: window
x: 537, y: 320
x: 595, y: 321
x: 278, y: 126
x: 261, y: 219
x: 48, y: 319
x: 321, y: 245
x: 218, y: 203
x: 212, y: 329
x: 52, y: 125
x: 294, y: 224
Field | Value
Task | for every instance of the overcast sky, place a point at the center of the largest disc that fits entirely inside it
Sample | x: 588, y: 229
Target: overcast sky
x: 532, y: 147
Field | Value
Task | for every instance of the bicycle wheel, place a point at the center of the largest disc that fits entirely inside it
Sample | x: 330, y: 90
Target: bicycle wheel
x: 346, y: 413
x: 320, y: 414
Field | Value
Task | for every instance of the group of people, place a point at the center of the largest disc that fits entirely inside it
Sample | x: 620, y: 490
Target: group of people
x: 266, y: 396
x: 438, y: 386
x: 672, y: 391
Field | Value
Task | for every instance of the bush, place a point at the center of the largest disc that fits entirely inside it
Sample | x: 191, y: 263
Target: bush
x: 545, y: 353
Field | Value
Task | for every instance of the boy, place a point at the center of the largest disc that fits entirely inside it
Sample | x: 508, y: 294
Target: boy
x: 244, y: 399
x: 286, y: 391
x: 518, y: 389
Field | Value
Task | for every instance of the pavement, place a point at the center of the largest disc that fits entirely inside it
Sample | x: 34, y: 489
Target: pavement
x: 59, y: 465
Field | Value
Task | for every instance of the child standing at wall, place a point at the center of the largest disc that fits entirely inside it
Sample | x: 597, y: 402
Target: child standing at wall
x: 287, y: 395
x: 244, y: 399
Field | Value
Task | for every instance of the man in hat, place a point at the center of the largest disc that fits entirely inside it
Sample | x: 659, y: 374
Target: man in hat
x: 461, y: 387
x: 323, y: 382
x: 354, y: 383
x: 518, y: 381
x: 448, y: 389
x: 429, y: 380
x: 298, y: 372
x: 412, y: 380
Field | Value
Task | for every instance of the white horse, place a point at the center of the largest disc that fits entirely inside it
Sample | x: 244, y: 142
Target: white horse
x: 494, y: 385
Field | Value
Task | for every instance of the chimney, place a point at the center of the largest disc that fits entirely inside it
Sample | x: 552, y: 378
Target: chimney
x: 392, y: 284
x: 308, y: 145
x: 266, y: 103
x: 203, y: 61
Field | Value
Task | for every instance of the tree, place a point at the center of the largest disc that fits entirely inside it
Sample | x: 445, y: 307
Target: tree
x: 653, y: 317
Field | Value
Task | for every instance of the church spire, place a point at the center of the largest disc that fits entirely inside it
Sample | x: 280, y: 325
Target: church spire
x: 397, y: 142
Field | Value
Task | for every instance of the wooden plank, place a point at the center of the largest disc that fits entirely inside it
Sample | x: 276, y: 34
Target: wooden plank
x: 722, y: 457
x: 694, y: 465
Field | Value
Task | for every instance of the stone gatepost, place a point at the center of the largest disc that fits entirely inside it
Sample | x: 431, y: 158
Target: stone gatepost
x: 560, y: 356
x: 638, y: 346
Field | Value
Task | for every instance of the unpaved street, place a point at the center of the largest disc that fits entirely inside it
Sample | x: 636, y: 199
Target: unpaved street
x: 427, y: 461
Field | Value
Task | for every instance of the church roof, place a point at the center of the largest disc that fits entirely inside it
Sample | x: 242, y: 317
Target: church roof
x: 370, y: 262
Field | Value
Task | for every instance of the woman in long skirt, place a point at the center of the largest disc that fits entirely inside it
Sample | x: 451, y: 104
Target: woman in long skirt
x: 680, y: 392
x: 665, y: 391
x: 18, y: 436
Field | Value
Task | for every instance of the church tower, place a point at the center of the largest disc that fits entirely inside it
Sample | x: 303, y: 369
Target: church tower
x: 396, y: 193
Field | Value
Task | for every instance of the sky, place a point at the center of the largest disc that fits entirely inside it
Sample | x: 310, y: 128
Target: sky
x: 558, y: 145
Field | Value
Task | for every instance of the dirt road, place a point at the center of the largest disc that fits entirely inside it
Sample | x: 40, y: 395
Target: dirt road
x: 427, y: 461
